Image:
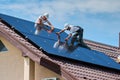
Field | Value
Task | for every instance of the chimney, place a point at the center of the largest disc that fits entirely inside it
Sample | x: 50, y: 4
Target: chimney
x: 119, y: 39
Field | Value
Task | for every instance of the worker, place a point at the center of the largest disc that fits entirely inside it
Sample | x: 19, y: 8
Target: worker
x: 40, y: 24
x: 76, y: 32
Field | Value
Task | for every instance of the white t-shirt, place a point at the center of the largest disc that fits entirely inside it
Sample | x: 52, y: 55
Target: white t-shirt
x: 73, y: 28
x: 40, y: 17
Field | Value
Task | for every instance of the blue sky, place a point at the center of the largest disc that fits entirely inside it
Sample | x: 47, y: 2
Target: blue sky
x: 99, y: 18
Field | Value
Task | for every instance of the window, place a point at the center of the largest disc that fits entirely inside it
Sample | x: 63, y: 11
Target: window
x: 53, y: 78
x: 2, y: 47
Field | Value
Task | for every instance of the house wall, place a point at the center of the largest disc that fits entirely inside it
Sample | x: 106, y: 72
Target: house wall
x: 11, y: 63
x: 42, y: 72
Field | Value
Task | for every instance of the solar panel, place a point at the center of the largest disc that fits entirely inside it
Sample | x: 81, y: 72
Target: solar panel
x: 47, y: 41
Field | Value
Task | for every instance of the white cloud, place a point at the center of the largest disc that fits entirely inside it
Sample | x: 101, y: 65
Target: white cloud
x: 67, y: 7
x: 93, y: 6
x: 61, y: 10
x: 108, y: 6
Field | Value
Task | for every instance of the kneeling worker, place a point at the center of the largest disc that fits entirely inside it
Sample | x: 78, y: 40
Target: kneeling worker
x: 76, y: 32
